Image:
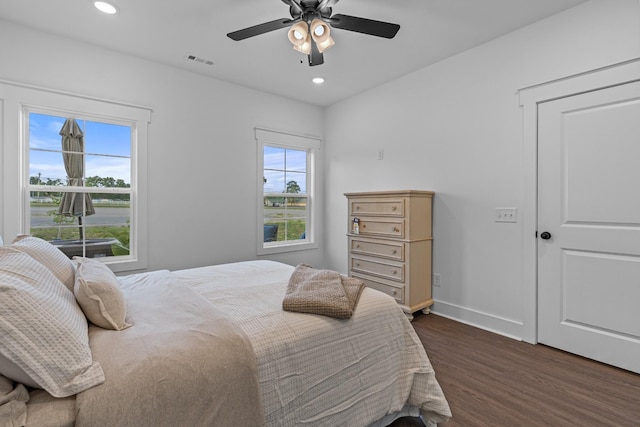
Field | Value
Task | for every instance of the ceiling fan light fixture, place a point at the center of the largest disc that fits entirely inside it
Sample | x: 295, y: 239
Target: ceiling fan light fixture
x: 298, y: 34
x: 321, y: 35
x: 319, y: 29
x: 324, y: 45
x: 305, y: 46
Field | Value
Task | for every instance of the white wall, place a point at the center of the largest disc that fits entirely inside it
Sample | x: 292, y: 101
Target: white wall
x: 201, y: 134
x: 456, y: 128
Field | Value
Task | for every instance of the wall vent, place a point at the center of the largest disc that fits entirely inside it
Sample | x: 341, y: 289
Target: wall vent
x: 200, y: 60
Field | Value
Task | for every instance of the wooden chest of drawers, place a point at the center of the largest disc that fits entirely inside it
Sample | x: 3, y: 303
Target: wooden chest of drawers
x: 390, y: 247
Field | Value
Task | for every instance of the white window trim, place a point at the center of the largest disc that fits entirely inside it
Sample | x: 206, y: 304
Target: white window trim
x: 18, y: 98
x: 288, y: 140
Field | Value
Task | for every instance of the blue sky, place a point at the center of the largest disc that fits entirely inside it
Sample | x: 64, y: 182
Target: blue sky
x: 284, y: 165
x: 108, y: 148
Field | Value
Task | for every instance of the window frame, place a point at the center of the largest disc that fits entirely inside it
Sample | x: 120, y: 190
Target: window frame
x: 309, y: 144
x: 17, y: 101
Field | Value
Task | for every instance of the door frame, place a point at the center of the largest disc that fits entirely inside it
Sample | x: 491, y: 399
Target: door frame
x: 530, y: 97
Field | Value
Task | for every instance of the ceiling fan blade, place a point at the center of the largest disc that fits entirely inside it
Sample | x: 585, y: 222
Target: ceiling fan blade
x: 364, y: 26
x: 256, y: 30
x: 315, y: 57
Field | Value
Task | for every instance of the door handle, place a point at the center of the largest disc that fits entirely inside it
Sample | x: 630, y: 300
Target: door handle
x: 545, y: 235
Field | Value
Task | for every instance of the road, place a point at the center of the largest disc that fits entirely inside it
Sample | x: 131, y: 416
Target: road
x: 103, y: 216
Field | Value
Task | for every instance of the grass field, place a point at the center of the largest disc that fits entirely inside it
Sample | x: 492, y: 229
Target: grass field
x: 291, y: 221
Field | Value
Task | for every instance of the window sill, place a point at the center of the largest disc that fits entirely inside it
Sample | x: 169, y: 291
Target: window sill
x: 124, y: 265
x: 282, y: 247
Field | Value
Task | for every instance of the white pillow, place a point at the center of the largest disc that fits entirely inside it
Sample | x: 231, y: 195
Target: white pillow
x: 42, y: 329
x: 49, y: 256
x: 98, y: 292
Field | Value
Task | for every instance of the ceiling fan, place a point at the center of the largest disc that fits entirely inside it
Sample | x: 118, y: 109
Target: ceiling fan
x: 309, y: 27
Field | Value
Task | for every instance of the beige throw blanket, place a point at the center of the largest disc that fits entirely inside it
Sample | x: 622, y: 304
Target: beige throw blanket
x: 323, y: 292
x: 182, y: 363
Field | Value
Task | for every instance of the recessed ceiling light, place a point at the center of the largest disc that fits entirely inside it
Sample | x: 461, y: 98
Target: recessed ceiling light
x: 318, y: 80
x: 105, y: 7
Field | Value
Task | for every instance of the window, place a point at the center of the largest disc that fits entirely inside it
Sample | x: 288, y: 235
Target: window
x: 80, y: 184
x: 81, y: 169
x: 286, y: 192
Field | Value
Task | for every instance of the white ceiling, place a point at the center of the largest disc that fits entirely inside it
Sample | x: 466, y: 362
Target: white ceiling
x: 168, y: 31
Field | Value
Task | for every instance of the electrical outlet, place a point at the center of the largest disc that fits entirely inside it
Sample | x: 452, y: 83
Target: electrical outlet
x: 506, y: 215
x: 436, y: 280
x: 381, y: 154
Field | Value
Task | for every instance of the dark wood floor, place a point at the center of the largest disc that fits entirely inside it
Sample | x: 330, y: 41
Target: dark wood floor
x: 491, y: 380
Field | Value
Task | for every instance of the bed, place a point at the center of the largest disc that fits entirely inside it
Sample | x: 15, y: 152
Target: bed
x: 213, y: 346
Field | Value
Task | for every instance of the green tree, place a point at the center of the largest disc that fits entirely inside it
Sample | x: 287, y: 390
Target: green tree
x: 293, y: 187
x: 38, y: 180
x: 105, y: 182
x: 56, y: 181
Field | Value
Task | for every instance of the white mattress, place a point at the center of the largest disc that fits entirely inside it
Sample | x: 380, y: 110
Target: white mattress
x: 319, y: 371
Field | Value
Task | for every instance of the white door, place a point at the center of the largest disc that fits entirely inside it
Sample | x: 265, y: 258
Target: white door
x: 589, y: 203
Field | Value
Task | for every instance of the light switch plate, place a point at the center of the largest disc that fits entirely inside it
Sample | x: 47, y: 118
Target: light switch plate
x: 506, y: 215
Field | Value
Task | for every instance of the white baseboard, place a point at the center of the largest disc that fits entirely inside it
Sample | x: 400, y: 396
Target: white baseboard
x: 506, y: 327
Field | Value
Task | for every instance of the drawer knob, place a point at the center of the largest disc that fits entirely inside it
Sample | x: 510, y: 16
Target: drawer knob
x: 357, y: 208
x: 394, y: 292
x: 357, y: 246
x: 357, y: 264
x: 364, y: 226
x: 393, y: 208
x: 395, y: 251
x: 396, y: 229
x: 394, y: 271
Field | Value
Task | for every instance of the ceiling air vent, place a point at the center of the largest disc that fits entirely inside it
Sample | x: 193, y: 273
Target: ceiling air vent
x: 200, y: 60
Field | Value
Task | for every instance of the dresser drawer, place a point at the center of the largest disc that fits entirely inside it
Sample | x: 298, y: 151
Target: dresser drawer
x: 377, y: 207
x: 386, y: 249
x: 396, y: 292
x: 386, y: 228
x: 378, y: 268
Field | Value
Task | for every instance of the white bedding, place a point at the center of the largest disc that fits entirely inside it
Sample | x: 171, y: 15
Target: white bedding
x: 319, y: 371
